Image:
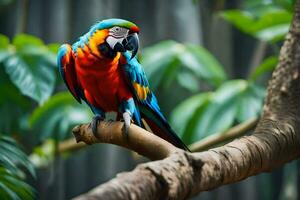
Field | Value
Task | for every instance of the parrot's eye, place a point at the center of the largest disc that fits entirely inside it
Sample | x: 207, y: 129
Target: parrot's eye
x: 116, y: 29
x: 118, y: 32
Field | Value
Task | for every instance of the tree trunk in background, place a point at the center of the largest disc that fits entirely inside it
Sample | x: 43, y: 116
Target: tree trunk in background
x: 217, y: 35
x: 56, y: 17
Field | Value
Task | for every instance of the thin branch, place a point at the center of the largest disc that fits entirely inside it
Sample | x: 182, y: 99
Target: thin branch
x: 219, y: 138
x: 138, y: 139
x: 204, y: 144
x: 70, y: 145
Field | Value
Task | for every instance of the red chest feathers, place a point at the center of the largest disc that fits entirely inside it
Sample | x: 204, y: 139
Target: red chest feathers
x: 102, y: 81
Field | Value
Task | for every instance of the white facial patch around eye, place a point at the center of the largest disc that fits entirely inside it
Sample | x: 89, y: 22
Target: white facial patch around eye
x: 118, y: 32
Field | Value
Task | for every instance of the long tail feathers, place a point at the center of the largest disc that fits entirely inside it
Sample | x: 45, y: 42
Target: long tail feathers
x: 162, y: 129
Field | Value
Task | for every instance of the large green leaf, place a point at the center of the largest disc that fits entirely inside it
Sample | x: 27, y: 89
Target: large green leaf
x: 4, y: 41
x: 12, y: 103
x: 209, y: 113
x: 203, y: 64
x: 166, y: 61
x: 240, y: 19
x: 183, y: 113
x: 263, y: 5
x: 17, y: 158
x: 220, y: 113
x: 267, y: 65
x: 250, y: 102
x: 12, y: 163
x: 57, y: 116
x: 269, y: 25
x: 158, y: 58
x: 192, y: 84
x: 30, y: 66
x: 32, y: 76
x: 23, y: 41
x: 11, y: 187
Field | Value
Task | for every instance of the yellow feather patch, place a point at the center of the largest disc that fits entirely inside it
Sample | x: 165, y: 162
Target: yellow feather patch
x: 141, y: 91
x: 80, y: 52
x: 97, y: 38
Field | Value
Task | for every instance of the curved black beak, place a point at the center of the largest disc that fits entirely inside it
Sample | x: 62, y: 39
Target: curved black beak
x: 132, y: 44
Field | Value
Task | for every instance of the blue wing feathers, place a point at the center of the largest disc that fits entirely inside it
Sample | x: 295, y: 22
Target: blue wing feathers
x: 136, y: 74
x: 61, y: 53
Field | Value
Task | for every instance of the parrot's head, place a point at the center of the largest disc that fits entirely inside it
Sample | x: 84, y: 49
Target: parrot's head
x: 122, y: 35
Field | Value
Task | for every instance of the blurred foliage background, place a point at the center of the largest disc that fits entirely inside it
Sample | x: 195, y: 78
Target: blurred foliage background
x: 207, y: 61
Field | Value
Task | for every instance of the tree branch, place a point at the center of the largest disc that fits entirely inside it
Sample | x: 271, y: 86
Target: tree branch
x: 70, y: 145
x: 276, y: 140
x: 138, y: 139
x: 204, y: 144
x: 219, y: 138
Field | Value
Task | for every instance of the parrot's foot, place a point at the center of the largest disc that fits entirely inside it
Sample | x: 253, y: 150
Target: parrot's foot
x: 94, y: 123
x: 127, y: 122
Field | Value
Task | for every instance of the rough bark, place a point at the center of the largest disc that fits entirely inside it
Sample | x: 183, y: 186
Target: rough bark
x: 276, y: 140
x: 137, y: 139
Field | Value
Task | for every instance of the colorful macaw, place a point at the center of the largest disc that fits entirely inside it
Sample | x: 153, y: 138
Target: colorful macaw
x: 101, y: 69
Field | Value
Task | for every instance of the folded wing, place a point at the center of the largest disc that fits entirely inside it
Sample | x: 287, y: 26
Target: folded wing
x: 147, y: 103
x: 66, y: 65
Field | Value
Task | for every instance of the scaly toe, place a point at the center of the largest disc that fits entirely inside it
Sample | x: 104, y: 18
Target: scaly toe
x: 94, y: 123
x: 127, y: 122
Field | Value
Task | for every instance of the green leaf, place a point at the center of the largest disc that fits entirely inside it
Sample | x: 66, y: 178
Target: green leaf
x: 12, y: 103
x: 22, y: 41
x: 183, y: 113
x: 4, y: 42
x: 12, y: 163
x: 267, y: 65
x: 188, y: 81
x: 58, y: 115
x: 166, y: 61
x: 53, y: 47
x: 30, y: 66
x: 13, y: 187
x: 270, y: 25
x: 6, y: 192
x: 33, y: 76
x: 210, y: 113
x: 9, y: 149
x: 219, y: 115
x: 250, y: 103
x: 203, y: 64
x: 157, y: 58
x: 242, y: 20
x: 273, y: 33
x: 286, y: 4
